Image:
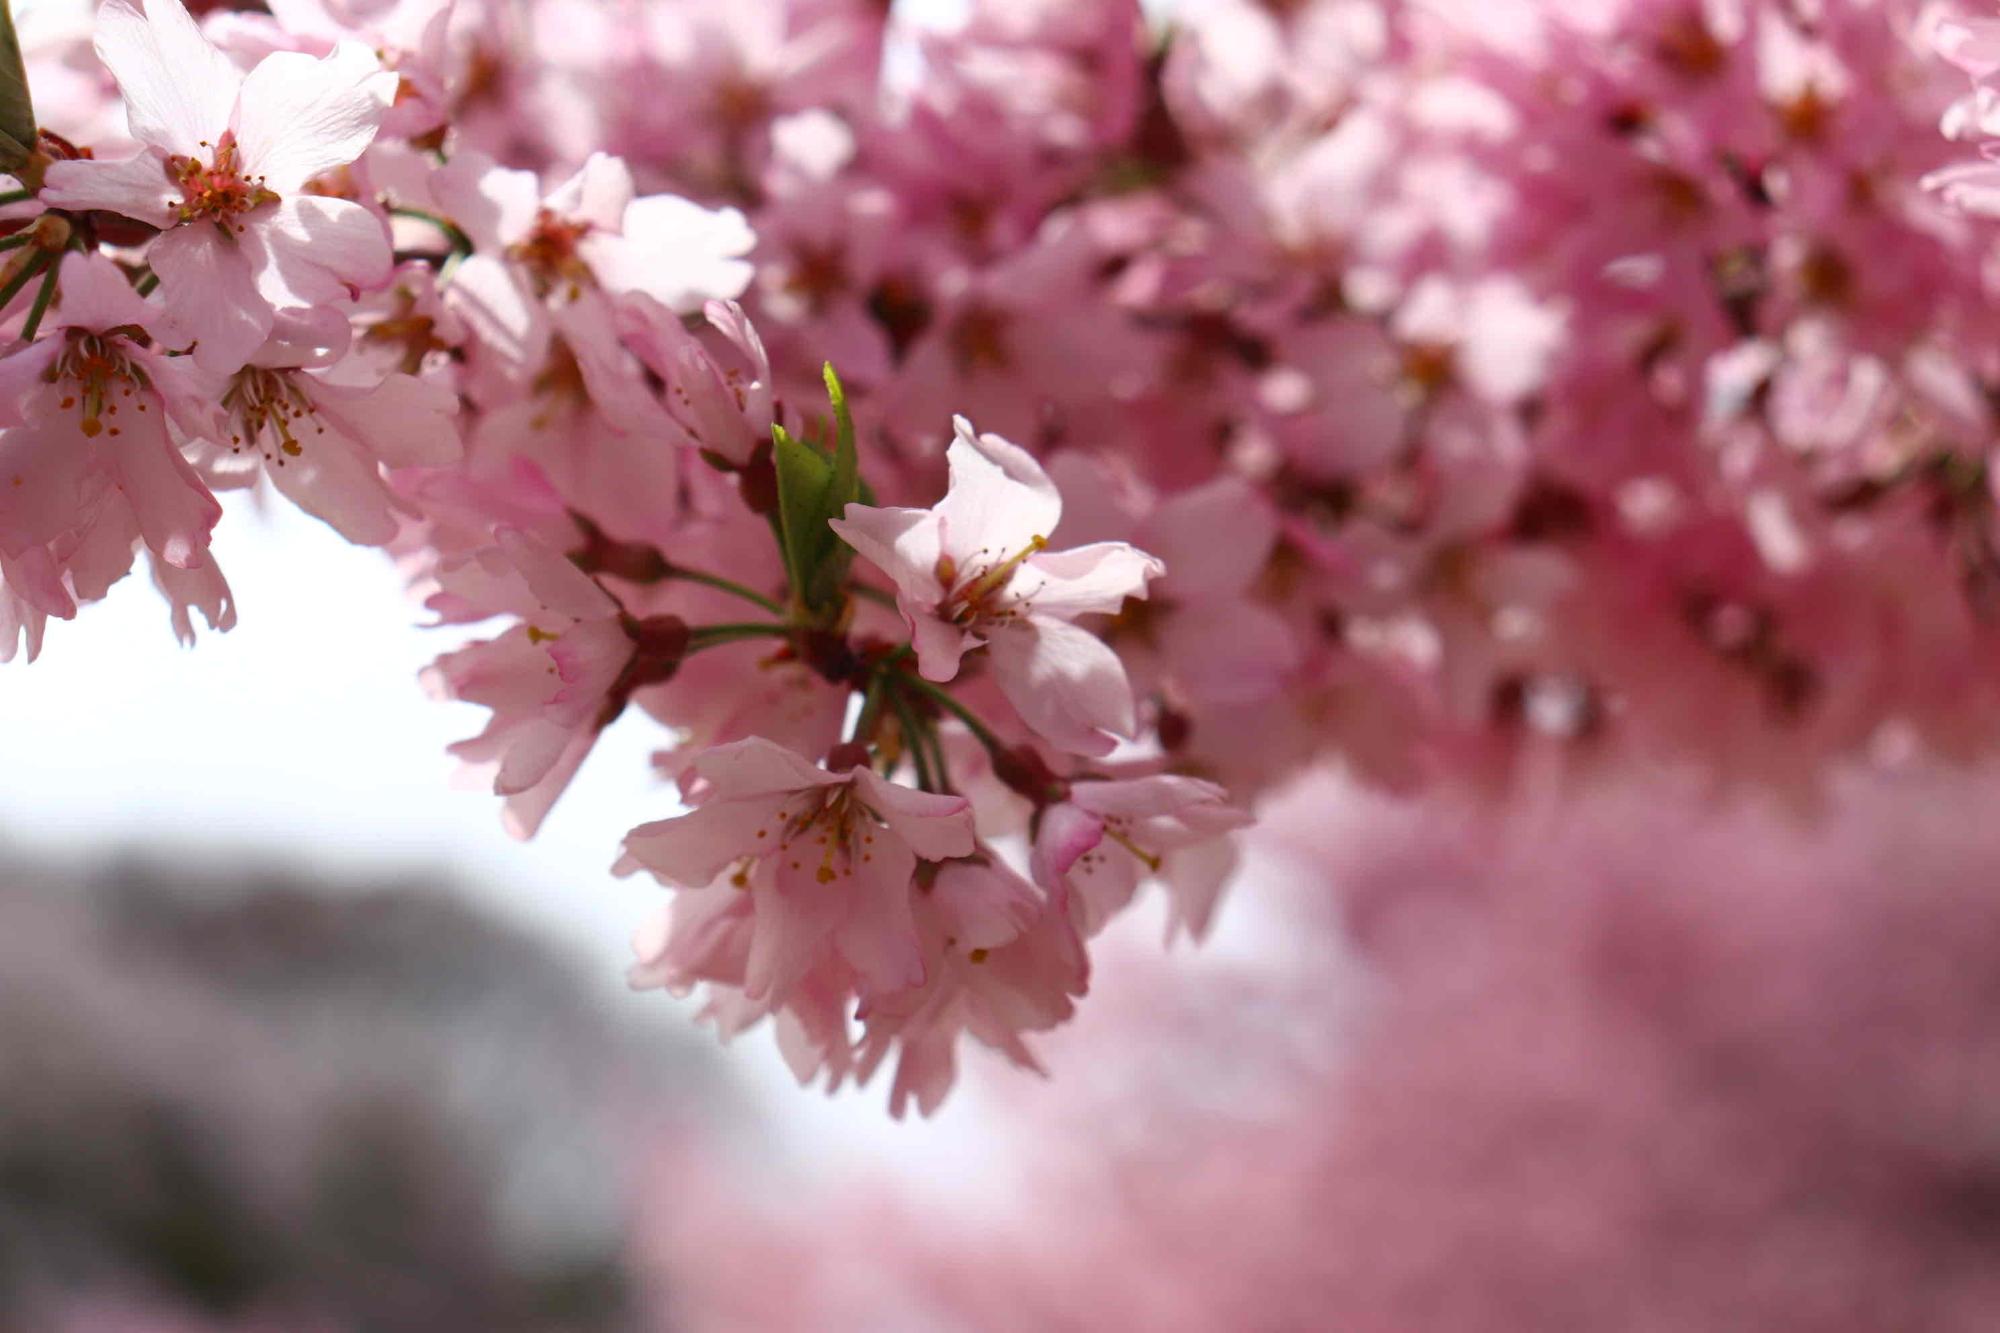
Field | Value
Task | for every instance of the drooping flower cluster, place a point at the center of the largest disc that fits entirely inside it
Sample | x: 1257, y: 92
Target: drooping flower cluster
x: 1475, y: 395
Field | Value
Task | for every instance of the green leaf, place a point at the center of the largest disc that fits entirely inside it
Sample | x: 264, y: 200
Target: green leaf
x: 816, y: 483
x: 846, y: 462
x: 805, y: 481
x: 17, y: 109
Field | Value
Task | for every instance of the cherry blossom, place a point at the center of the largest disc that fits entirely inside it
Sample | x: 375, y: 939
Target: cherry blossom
x: 322, y: 429
x: 827, y: 861
x: 1106, y: 837
x: 552, y: 679
x: 975, y: 571
x: 87, y: 429
x: 225, y: 172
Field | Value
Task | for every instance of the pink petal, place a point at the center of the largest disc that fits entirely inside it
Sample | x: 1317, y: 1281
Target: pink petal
x: 795, y: 916
x: 553, y: 581
x: 1086, y: 580
x: 137, y: 187
x: 1215, y: 539
x: 1163, y: 795
x: 903, y: 543
x: 1194, y: 889
x: 690, y: 850
x: 202, y: 589
x: 1066, y: 832
x: 612, y: 377
x: 936, y: 826
x: 1064, y: 682
x: 23, y: 391
x: 501, y: 313
x: 298, y: 117
x: 999, y: 499
x: 598, y: 193
x: 524, y: 811
x: 335, y: 482
x: 97, y: 295
x: 208, y: 285
x: 48, y: 479
x: 588, y: 660
x: 674, y: 251
x: 175, y: 511
x: 318, y: 250
x: 940, y: 646
x: 986, y: 906
x: 178, y: 89
x: 405, y: 421
x: 1228, y: 652
x: 878, y: 934
x: 493, y: 205
x: 755, y: 767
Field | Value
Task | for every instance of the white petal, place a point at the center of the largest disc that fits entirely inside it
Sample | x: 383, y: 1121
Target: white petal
x: 208, y: 285
x: 179, y: 90
x: 1000, y: 499
x: 1064, y: 682
x: 598, y: 194
x: 135, y: 188
x: 1088, y: 580
x: 675, y: 251
x: 493, y: 205
x: 315, y: 251
x: 299, y: 116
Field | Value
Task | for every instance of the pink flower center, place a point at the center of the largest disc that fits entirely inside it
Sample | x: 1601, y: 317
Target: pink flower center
x: 97, y: 376
x: 1117, y: 829
x: 549, y: 253
x: 975, y: 598
x: 216, y: 190
x: 269, y: 410
x: 839, y: 826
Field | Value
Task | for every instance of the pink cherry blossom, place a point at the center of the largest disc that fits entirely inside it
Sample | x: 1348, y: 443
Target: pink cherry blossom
x: 1005, y: 962
x: 324, y: 428
x: 87, y: 428
x: 1106, y: 837
x: 826, y: 859
x: 725, y: 407
x: 591, y: 231
x: 975, y: 571
x: 225, y: 170
x: 552, y: 678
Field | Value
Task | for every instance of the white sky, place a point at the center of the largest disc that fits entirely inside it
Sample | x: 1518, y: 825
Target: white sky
x: 303, y: 738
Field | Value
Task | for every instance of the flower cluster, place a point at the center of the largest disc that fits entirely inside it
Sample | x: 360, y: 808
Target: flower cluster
x: 1471, y: 395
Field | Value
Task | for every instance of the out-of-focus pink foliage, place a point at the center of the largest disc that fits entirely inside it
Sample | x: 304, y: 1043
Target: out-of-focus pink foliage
x: 1629, y: 1064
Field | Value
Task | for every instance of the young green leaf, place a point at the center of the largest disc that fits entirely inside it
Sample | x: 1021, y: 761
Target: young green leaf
x: 17, y: 109
x: 805, y: 478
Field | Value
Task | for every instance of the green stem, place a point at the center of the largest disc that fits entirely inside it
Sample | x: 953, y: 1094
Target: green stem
x: 871, y: 707
x: 933, y: 747
x: 708, y: 636
x: 16, y: 196
x: 17, y: 240
x: 22, y: 279
x: 913, y: 740
x: 716, y: 581
x: 146, y: 285
x: 960, y: 711
x: 460, y: 242
x: 41, y: 305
